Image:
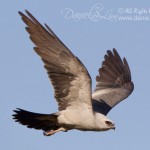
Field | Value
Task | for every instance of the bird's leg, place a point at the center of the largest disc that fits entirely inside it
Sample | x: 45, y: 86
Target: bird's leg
x: 51, y: 132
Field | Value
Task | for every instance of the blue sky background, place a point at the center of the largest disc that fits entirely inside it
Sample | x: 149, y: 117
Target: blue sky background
x: 24, y: 82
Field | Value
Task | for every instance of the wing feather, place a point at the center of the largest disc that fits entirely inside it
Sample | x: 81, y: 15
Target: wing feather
x: 113, y: 83
x: 69, y: 77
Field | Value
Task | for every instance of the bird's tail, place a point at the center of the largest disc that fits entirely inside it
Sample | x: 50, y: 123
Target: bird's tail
x: 45, y: 122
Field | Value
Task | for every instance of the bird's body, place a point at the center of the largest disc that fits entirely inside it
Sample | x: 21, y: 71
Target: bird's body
x: 79, y: 108
x: 86, y: 120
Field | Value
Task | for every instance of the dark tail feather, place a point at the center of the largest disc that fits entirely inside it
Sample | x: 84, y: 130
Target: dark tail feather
x: 37, y: 121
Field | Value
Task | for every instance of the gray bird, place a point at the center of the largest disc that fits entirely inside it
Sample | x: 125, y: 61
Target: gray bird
x: 78, y: 107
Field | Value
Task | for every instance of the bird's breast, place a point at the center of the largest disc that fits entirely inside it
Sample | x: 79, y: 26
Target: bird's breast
x: 79, y: 118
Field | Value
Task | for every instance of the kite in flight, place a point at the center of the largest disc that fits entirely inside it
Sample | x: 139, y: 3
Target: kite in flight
x: 78, y: 107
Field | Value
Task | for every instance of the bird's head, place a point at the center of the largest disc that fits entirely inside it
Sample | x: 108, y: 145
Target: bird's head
x: 104, y: 123
x: 109, y: 124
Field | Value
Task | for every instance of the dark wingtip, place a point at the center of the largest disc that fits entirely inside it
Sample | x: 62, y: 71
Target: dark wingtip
x: 20, y: 13
x: 114, y: 50
x: 16, y: 111
x: 125, y: 61
x: 28, y: 13
x: 14, y: 115
x: 108, y: 51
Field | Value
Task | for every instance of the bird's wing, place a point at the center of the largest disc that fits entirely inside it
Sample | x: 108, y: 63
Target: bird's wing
x: 113, y: 83
x: 69, y: 77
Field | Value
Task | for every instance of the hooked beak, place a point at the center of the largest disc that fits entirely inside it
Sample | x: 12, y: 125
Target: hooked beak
x: 113, y: 127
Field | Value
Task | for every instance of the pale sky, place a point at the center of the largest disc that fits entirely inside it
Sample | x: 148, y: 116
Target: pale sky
x: 88, y: 28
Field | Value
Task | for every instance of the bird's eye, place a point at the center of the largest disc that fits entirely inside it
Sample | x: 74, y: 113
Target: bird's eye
x: 108, y: 123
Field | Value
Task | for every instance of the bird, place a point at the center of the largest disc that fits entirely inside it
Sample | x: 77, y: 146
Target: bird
x: 78, y: 107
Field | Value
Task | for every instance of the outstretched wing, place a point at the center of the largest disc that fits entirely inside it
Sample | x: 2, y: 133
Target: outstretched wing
x: 69, y: 77
x: 113, y: 83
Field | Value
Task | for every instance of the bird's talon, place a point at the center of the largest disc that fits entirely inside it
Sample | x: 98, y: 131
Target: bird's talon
x: 48, y: 133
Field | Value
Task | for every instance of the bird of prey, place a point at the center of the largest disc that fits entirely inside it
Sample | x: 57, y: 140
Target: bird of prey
x: 79, y: 107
